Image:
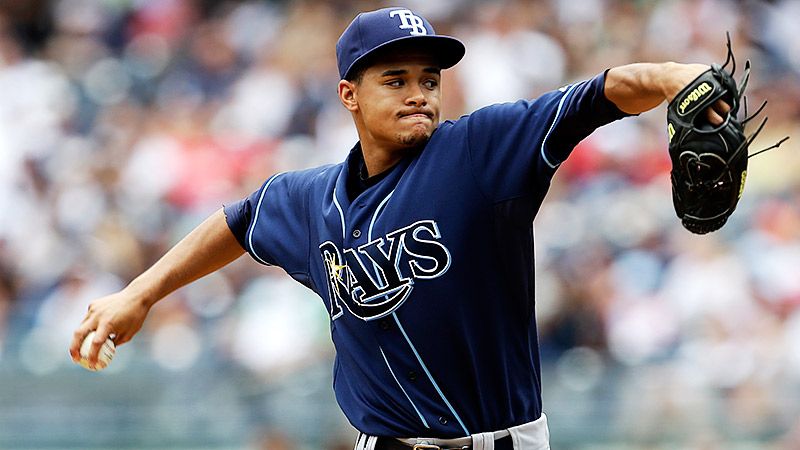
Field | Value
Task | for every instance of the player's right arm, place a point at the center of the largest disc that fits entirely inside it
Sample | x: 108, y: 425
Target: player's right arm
x: 206, y: 249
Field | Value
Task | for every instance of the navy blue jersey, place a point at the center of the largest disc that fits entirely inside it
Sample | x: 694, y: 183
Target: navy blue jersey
x: 428, y: 274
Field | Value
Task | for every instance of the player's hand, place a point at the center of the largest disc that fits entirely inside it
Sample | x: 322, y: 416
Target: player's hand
x: 117, y: 316
x: 678, y: 76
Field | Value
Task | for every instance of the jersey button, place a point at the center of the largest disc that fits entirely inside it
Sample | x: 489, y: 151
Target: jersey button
x: 356, y: 234
x: 443, y: 420
x: 412, y: 376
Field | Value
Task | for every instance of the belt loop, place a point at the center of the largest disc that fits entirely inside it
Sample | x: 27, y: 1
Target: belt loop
x: 483, y: 441
x: 359, y: 440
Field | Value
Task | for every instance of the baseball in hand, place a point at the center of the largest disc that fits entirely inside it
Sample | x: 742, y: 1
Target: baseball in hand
x: 103, y: 358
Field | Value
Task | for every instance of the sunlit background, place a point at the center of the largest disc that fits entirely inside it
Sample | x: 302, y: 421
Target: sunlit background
x: 124, y: 123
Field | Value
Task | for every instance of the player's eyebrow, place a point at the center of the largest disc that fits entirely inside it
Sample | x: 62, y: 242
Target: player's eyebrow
x: 395, y: 72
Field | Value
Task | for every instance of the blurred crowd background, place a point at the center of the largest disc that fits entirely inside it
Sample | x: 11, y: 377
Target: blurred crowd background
x: 124, y: 123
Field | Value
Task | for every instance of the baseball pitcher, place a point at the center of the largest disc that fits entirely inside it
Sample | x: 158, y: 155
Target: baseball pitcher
x: 420, y: 243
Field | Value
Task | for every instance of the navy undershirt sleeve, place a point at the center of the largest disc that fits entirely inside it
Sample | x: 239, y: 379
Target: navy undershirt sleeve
x: 238, y: 215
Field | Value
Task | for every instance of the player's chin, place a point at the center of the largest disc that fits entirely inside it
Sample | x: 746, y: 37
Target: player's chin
x: 413, y: 140
x: 419, y: 134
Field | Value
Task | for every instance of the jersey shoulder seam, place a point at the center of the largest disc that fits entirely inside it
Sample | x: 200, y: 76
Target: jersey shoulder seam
x: 309, y: 189
x: 475, y: 177
x: 510, y: 197
x: 308, y: 227
x: 269, y: 259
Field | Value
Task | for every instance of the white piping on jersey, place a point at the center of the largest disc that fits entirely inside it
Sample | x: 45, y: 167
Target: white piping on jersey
x: 341, y: 214
x: 255, y: 219
x: 413, y: 349
x: 553, y: 125
x: 430, y: 377
x: 369, y: 231
x: 401, y: 388
x: 375, y: 216
x: 369, y: 237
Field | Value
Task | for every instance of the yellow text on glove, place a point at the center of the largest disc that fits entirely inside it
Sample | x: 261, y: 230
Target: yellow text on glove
x: 696, y: 94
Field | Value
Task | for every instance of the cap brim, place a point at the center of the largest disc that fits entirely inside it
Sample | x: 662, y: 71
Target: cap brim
x: 446, y: 50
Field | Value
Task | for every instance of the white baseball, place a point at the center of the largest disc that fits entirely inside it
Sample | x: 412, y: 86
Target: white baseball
x: 103, y: 358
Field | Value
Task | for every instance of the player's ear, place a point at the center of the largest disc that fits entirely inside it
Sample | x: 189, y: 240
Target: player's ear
x: 347, y: 94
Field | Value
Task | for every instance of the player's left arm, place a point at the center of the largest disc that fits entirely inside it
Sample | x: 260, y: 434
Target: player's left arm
x: 640, y: 87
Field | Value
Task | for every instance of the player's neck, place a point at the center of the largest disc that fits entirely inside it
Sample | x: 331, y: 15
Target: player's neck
x: 379, y: 158
x: 380, y: 161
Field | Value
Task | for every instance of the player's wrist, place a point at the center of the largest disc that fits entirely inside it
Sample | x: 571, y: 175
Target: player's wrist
x: 141, y: 293
x: 673, y: 77
x: 639, y: 87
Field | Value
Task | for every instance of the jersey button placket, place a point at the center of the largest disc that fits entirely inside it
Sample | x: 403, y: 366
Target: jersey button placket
x: 356, y: 233
x: 443, y: 420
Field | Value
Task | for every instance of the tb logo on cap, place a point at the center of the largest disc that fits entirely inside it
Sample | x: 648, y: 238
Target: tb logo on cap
x: 409, y: 21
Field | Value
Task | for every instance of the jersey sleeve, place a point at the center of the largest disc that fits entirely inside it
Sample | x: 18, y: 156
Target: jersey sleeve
x: 517, y: 147
x: 271, y: 224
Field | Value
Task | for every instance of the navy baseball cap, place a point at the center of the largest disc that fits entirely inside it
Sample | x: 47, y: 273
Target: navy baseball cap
x: 375, y: 30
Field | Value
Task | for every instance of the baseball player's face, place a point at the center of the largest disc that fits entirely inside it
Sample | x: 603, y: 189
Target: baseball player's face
x: 397, y: 100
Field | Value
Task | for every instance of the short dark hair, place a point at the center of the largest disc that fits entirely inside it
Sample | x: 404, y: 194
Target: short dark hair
x: 357, y: 73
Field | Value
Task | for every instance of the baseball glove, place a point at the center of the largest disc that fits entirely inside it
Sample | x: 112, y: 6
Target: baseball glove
x: 709, y: 162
